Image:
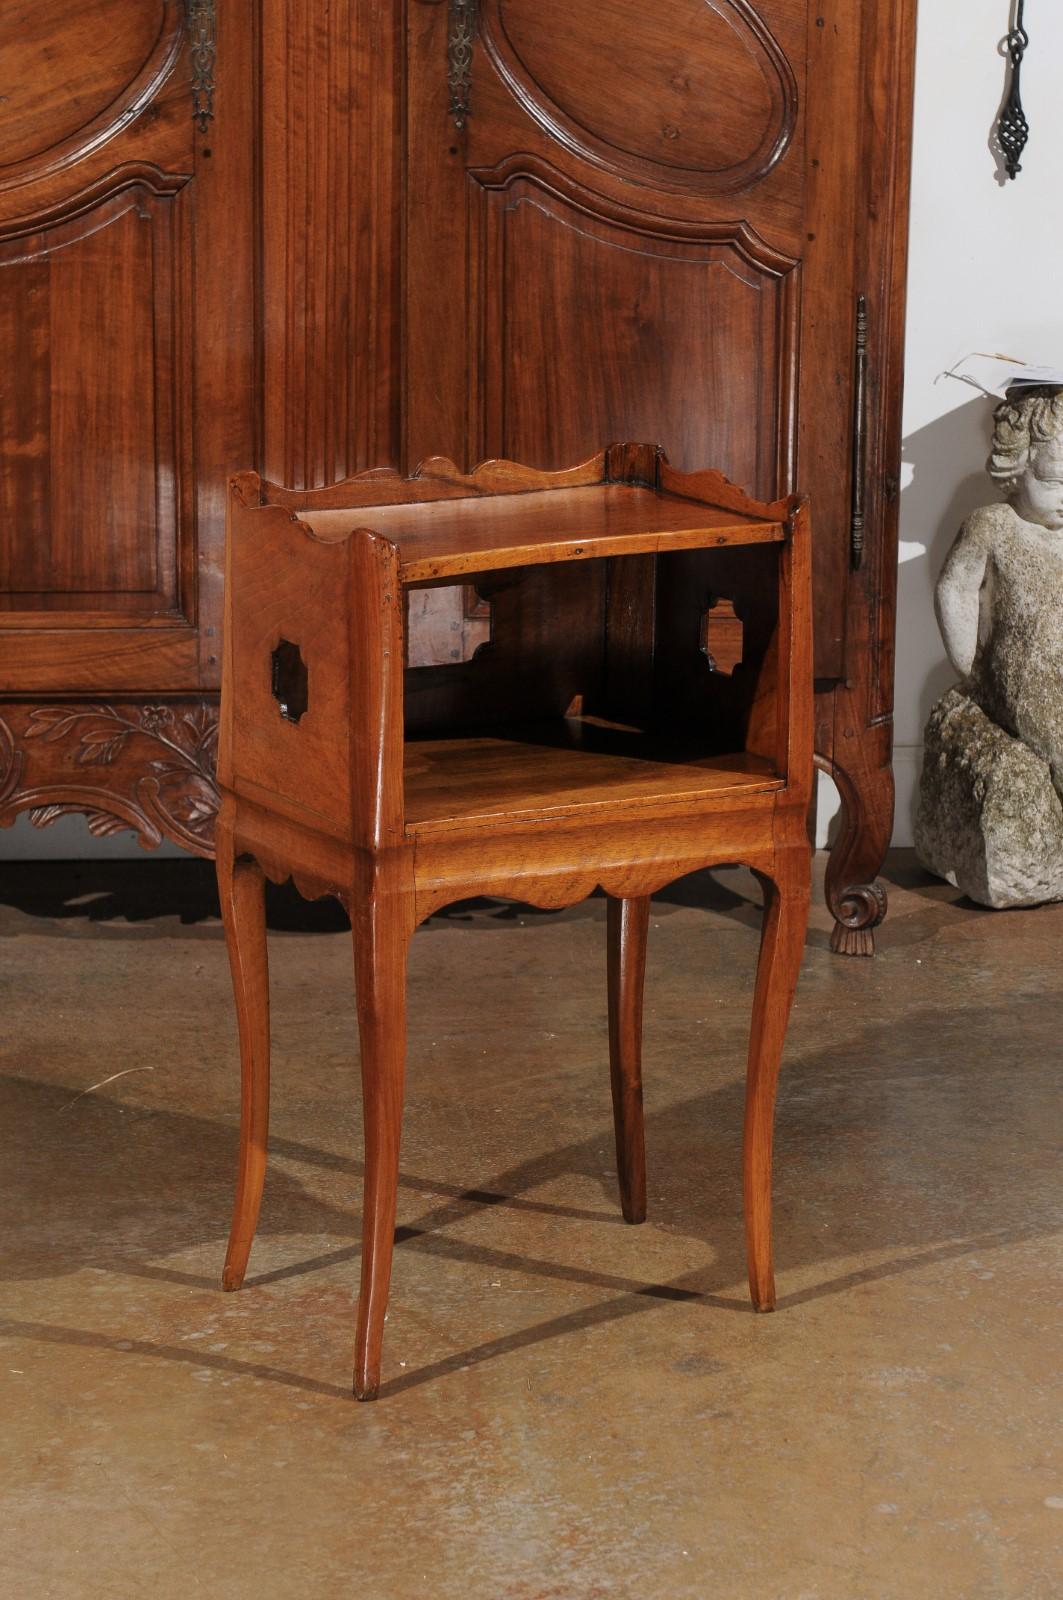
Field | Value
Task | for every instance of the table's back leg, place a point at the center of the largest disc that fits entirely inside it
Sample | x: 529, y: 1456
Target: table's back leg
x: 628, y: 923
x: 781, y: 948
x: 241, y: 887
x: 381, y: 931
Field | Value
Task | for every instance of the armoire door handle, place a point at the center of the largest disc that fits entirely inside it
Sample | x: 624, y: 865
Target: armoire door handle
x: 856, y: 524
x: 202, y: 39
x: 461, y: 40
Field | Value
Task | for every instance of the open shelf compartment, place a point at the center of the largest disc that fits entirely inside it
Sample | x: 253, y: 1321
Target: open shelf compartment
x: 545, y: 772
x: 597, y: 690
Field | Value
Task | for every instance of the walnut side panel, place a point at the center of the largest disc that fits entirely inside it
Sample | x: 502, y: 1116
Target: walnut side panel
x: 90, y: 452
x: 854, y: 732
x: 666, y: 300
x: 127, y: 295
x: 330, y: 176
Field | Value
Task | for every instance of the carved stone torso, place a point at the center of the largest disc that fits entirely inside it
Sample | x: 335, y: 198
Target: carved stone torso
x: 990, y: 816
x: 1017, y: 676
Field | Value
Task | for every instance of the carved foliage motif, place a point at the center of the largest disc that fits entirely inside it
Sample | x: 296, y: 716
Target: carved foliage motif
x: 203, y: 45
x: 461, y: 41
x: 145, y: 767
x: 10, y: 765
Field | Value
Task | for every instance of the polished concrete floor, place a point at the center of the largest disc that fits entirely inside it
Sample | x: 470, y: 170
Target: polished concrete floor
x: 572, y: 1409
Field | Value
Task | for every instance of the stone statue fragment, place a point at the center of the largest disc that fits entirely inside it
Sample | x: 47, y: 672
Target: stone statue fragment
x: 990, y: 816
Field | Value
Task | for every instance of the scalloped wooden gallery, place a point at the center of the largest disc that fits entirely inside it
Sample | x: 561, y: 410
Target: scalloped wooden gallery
x: 591, y: 743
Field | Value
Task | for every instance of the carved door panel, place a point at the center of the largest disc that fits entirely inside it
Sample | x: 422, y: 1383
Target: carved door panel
x: 629, y: 222
x: 126, y: 337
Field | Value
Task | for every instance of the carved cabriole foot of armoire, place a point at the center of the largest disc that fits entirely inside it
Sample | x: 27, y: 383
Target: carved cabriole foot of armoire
x: 854, y: 747
x: 123, y: 764
x: 856, y: 899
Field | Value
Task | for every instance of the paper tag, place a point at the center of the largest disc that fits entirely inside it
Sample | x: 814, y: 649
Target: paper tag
x: 996, y: 375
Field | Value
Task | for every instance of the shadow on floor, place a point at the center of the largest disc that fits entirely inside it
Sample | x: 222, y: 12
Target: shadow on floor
x: 140, y: 892
x: 874, y: 1166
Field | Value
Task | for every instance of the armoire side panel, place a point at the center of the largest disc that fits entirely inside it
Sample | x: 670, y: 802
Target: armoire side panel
x: 90, y: 453
x: 127, y: 279
x: 331, y: 182
x: 128, y: 265
x: 556, y: 381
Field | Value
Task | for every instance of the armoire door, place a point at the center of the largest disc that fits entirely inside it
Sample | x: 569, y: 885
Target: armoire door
x: 126, y: 343
x: 637, y: 222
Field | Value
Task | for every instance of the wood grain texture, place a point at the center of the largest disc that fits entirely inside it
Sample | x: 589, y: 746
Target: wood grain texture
x: 627, y: 931
x: 854, y: 725
x: 551, y: 774
x: 84, y: 71
x: 566, y: 217
x: 330, y: 163
x: 381, y: 923
x: 127, y: 332
x: 346, y: 803
x: 107, y: 529
x: 241, y: 889
x: 456, y: 537
x: 786, y: 897
x: 715, y: 116
x: 103, y: 657
x: 648, y: 227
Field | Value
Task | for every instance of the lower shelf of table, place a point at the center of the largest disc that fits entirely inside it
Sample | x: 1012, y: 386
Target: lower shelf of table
x: 566, y: 769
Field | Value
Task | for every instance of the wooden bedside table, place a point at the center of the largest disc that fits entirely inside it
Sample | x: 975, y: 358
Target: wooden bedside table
x: 593, y: 742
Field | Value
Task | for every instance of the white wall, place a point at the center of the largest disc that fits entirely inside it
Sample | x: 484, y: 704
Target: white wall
x: 986, y: 274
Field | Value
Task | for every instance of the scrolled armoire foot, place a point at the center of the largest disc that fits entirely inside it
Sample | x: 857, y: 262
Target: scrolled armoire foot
x: 317, y: 240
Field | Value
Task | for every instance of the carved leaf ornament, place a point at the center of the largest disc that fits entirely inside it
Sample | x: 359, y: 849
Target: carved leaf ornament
x: 175, y: 793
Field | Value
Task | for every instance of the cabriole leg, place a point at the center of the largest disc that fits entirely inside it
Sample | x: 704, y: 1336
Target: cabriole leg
x: 381, y: 942
x: 628, y: 924
x: 781, y: 948
x: 241, y: 887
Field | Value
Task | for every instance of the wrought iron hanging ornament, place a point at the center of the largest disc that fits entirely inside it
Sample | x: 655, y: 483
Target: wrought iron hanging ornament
x: 1014, y: 130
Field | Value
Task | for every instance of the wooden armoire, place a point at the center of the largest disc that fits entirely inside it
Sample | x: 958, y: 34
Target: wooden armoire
x: 316, y: 239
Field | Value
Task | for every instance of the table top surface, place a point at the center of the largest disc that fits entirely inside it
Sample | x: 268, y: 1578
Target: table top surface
x: 449, y: 538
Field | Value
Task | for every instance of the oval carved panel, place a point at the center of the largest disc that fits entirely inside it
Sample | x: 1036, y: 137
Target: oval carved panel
x: 690, y: 95
x: 74, y: 71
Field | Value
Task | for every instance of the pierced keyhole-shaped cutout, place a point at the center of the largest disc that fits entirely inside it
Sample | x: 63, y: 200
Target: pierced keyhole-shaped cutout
x: 288, y: 680
x: 721, y: 640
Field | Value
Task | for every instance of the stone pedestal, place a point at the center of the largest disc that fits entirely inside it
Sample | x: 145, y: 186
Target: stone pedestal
x: 990, y: 820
